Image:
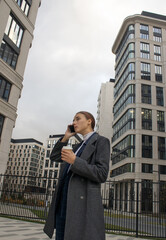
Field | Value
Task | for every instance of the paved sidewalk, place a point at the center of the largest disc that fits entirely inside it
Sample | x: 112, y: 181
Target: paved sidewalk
x: 11, y: 229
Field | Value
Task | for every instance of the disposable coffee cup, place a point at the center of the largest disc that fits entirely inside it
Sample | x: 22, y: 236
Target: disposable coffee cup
x: 67, y: 148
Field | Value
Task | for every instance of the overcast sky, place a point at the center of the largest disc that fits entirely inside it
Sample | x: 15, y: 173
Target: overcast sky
x: 70, y: 57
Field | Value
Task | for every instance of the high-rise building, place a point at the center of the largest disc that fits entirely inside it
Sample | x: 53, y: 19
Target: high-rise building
x: 139, y: 137
x: 104, y: 109
x: 26, y: 161
x: 17, y: 18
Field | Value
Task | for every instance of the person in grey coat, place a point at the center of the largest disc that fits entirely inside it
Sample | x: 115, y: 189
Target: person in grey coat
x: 76, y: 210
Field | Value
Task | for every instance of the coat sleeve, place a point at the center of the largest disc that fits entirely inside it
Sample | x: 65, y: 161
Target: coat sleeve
x: 96, y: 171
x: 56, y: 151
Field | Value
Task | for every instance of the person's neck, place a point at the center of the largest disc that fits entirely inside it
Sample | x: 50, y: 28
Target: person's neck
x: 86, y: 132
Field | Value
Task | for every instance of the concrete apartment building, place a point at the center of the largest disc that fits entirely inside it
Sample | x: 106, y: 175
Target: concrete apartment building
x: 139, y: 137
x: 104, y: 109
x: 17, y: 18
x: 51, y: 169
x: 26, y: 161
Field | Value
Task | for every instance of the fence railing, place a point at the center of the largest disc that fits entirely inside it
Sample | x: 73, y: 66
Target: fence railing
x: 135, y: 208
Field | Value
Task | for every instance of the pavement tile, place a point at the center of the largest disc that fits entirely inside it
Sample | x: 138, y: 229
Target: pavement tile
x: 11, y: 229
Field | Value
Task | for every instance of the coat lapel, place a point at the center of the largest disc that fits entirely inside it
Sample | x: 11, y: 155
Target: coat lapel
x: 90, y: 147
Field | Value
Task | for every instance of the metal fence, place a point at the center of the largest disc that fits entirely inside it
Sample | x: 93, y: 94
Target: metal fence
x: 134, y: 208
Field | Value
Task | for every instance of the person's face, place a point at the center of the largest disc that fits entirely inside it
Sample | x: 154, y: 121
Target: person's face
x: 81, y: 124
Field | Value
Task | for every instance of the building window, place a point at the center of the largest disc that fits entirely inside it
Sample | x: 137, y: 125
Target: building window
x: 129, y: 53
x: 45, y: 173
x: 158, y: 73
x: 145, y: 71
x: 124, y: 149
x: 160, y: 121
x: 2, y: 119
x: 161, y: 148
x: 51, y: 164
x: 8, y: 55
x: 128, y: 97
x: 5, y: 87
x: 129, y: 167
x: 147, y: 195
x: 24, y: 5
x: 55, y: 174
x: 157, y: 34
x: 146, y: 119
x: 146, y: 146
x: 127, y: 75
x: 147, y: 168
x: 144, y: 50
x: 126, y: 122
x: 157, y: 53
x: 129, y: 34
x: 162, y: 169
x: 146, y: 93
x: 144, y: 31
x: 48, y: 154
x: 159, y: 96
x: 46, y: 163
x: 14, y: 31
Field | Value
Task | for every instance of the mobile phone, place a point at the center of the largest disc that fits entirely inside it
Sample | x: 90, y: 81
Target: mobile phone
x: 71, y: 127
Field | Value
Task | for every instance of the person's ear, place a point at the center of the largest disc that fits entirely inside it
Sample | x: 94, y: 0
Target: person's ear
x: 90, y: 122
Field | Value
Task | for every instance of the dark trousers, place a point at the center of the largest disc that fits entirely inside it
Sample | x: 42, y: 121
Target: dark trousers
x: 61, y: 209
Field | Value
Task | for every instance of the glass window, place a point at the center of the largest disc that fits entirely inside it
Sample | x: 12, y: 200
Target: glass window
x: 127, y: 75
x: 51, y: 164
x: 145, y: 71
x: 129, y: 34
x: 146, y: 195
x: 129, y: 167
x: 157, y: 34
x: 124, y: 149
x: 128, y: 54
x: 48, y: 154
x: 146, y: 119
x: 147, y: 168
x: 24, y: 5
x: 160, y: 121
x: 46, y: 163
x: 161, y: 148
x: 14, y: 31
x: 128, y: 97
x: 146, y: 146
x: 144, y: 27
x: 163, y: 171
x: 158, y: 73
x: 144, y: 50
x: 159, y: 96
x: 144, y: 31
x: 5, y: 87
x: 146, y: 93
x: 8, y: 55
x: 157, y: 53
x: 45, y: 173
x: 2, y: 118
x: 126, y: 122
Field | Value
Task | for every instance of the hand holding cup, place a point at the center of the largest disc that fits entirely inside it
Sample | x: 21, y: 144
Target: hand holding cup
x: 68, y: 155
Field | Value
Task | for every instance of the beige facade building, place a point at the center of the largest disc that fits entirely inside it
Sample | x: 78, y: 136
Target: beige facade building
x: 139, y: 136
x: 104, y: 109
x: 26, y: 161
x: 17, y: 18
x: 51, y: 169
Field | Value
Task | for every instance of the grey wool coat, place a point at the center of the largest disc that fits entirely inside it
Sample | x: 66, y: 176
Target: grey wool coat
x: 85, y: 213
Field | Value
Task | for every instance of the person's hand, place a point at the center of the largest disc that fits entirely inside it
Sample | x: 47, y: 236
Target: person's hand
x: 68, y: 134
x: 68, y: 156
